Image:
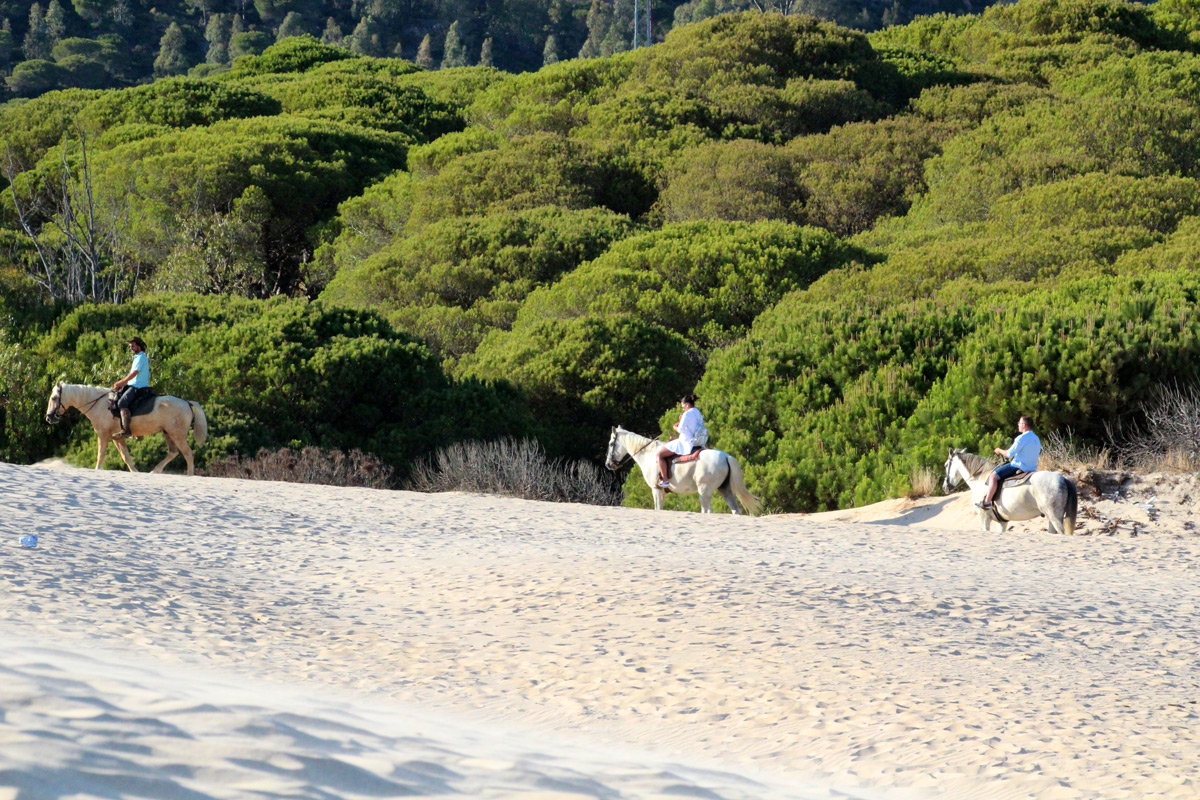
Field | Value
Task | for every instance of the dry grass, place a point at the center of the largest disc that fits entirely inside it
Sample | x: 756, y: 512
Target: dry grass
x: 1170, y: 439
x: 514, y: 469
x: 922, y: 482
x: 1062, y: 451
x: 310, y: 465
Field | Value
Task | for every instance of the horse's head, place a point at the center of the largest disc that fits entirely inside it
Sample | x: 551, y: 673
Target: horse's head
x: 616, y: 450
x: 952, y: 476
x: 55, y: 408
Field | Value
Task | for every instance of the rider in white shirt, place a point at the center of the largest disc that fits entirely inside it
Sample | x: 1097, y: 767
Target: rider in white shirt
x: 689, y: 428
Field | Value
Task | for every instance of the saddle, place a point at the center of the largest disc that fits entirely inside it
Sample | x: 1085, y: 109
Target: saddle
x: 142, y: 404
x: 1016, y: 480
x: 1020, y: 479
x: 692, y: 456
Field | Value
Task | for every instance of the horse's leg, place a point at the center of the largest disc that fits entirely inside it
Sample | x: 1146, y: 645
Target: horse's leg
x: 172, y: 451
x: 124, y: 451
x: 188, y: 455
x: 705, y: 501
x: 101, y: 449
x: 659, y: 498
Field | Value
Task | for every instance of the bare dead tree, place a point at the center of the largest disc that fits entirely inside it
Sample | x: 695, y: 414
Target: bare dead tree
x: 79, y: 257
x: 784, y: 7
x: 46, y: 257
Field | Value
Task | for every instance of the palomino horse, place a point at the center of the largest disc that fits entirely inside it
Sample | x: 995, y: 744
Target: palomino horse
x: 171, y: 415
x: 713, y: 471
x: 1047, y: 494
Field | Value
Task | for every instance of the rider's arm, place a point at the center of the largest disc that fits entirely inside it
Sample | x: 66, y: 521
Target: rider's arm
x: 117, y: 386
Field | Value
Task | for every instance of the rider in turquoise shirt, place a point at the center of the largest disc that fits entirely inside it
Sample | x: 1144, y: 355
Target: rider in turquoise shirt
x: 132, y: 387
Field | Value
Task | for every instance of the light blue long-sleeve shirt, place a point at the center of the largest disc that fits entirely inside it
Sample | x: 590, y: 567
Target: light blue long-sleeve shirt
x: 1025, y: 451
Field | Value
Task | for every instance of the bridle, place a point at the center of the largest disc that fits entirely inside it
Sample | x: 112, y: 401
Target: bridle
x: 613, y: 464
x: 59, y: 409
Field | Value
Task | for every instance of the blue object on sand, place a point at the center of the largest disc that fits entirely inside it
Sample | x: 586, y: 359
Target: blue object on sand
x: 29, y: 540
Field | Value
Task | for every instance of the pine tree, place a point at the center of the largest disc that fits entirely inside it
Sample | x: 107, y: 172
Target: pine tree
x: 237, y: 26
x: 486, y: 59
x: 172, y: 58
x: 425, y: 54
x: 38, y: 43
x: 56, y: 21
x: 454, y: 53
x: 620, y: 29
x: 599, y: 20
x: 332, y: 33
x: 217, y: 29
x: 216, y: 33
x: 550, y: 51
x: 292, y: 25
x: 366, y: 40
x: 8, y: 44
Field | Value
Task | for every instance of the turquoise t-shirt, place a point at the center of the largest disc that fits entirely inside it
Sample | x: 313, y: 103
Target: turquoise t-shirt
x: 141, y: 362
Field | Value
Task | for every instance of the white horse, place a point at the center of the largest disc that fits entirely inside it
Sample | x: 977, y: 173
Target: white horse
x: 171, y: 415
x: 1046, y: 494
x: 713, y: 471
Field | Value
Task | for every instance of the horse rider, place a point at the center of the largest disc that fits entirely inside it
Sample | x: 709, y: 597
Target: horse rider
x: 133, y: 386
x: 1022, y: 457
x: 689, y: 427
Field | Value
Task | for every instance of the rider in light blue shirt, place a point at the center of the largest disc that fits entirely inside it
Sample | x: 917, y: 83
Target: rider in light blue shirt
x: 133, y: 386
x: 1023, y: 457
x: 141, y: 366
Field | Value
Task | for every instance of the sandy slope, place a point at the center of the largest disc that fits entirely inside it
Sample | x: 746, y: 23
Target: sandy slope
x: 906, y: 661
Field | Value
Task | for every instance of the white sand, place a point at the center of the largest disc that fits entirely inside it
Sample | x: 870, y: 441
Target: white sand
x: 659, y: 655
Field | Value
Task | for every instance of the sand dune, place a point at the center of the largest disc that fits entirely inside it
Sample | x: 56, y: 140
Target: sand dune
x: 774, y: 657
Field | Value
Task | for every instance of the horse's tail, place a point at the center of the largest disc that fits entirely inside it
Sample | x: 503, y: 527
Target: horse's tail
x: 737, y: 481
x: 1072, y: 508
x: 199, y: 422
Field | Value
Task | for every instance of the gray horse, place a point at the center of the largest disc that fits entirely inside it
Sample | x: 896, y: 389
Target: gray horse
x: 1047, y: 494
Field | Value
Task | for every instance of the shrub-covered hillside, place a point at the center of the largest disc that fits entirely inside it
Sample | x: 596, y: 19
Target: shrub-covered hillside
x: 857, y: 249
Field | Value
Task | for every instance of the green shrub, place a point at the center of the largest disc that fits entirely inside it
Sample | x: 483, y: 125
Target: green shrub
x: 704, y: 280
x: 293, y: 54
x: 462, y: 277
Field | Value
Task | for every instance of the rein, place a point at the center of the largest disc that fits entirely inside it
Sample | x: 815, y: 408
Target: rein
x: 88, y: 407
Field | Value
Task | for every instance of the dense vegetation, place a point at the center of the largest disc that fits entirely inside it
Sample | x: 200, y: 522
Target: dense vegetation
x: 858, y: 249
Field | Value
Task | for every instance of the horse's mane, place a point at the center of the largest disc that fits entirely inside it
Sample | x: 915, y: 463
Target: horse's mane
x: 975, y: 464
x: 66, y: 385
x: 638, y: 439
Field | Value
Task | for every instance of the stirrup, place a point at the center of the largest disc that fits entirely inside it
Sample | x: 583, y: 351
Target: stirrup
x: 122, y: 434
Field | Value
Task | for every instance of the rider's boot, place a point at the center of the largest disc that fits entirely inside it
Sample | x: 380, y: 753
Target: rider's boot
x: 124, y: 432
